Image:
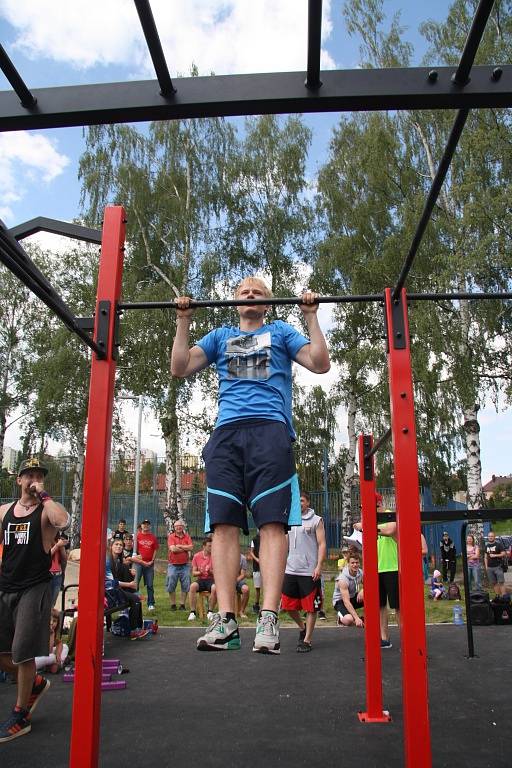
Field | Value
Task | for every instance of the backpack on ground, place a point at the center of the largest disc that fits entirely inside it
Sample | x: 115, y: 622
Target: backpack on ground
x: 502, y: 609
x: 121, y: 626
x: 453, y: 591
x: 480, y: 609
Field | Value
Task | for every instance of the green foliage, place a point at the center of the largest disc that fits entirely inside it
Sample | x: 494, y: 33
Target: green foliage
x: 501, y: 497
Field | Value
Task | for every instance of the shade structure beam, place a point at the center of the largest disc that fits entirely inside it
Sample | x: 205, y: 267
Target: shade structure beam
x: 480, y: 19
x: 255, y: 94
x: 313, y: 81
x: 156, y: 52
x: 27, y: 99
x: 18, y: 262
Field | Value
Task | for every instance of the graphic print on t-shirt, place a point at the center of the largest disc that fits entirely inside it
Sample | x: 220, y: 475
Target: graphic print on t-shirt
x: 248, y: 356
x: 20, y: 531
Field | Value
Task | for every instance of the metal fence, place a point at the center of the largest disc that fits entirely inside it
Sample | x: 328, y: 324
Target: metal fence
x: 325, y: 499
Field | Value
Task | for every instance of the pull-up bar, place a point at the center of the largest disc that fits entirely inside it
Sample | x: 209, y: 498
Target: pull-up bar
x: 277, y: 301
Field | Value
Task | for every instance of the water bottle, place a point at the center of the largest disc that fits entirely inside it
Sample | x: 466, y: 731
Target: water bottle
x: 457, y: 615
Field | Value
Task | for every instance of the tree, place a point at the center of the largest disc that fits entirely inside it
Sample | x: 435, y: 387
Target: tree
x: 268, y: 218
x: 55, y: 376
x: 171, y: 180
x: 467, y: 245
x: 14, y: 298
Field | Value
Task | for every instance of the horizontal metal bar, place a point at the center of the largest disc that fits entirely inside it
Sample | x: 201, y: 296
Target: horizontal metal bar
x: 459, y: 296
x: 155, y: 47
x: 13, y: 76
x: 379, y: 443
x: 247, y: 302
x: 314, y: 44
x: 475, y: 35
x: 278, y: 301
x: 437, y: 183
x: 282, y: 92
x: 65, y: 228
x: 453, y: 515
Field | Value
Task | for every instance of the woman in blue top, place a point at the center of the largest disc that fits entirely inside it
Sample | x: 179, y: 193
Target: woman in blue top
x: 249, y: 457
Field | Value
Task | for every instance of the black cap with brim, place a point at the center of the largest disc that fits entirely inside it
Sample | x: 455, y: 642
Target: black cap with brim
x: 29, y: 465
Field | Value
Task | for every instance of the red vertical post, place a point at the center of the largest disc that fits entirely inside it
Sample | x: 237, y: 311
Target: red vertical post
x: 89, y: 649
x: 417, y: 744
x: 372, y: 657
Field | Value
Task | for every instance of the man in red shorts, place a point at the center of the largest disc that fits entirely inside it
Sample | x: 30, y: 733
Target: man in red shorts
x: 302, y: 586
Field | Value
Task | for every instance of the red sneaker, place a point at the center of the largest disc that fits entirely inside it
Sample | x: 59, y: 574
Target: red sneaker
x: 139, y: 634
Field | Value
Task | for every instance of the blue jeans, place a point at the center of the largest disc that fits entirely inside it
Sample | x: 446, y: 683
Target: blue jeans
x: 56, y: 585
x: 474, y: 576
x: 177, y: 573
x: 147, y: 572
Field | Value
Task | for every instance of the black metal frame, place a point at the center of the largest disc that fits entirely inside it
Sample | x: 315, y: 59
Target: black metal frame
x: 466, y: 516
x: 463, y: 88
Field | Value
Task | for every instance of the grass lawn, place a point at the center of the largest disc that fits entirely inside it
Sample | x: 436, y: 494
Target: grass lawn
x: 436, y: 612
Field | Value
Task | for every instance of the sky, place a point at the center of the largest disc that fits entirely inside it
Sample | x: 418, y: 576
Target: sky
x: 53, y: 42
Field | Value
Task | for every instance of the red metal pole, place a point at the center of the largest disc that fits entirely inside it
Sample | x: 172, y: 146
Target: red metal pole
x: 85, y: 731
x: 373, y: 663
x: 417, y: 744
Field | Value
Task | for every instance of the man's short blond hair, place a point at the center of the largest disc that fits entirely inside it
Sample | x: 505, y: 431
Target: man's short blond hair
x: 255, y: 281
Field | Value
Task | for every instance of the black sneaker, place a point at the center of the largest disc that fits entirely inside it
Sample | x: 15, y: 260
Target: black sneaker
x: 182, y: 607
x: 18, y: 724
x: 304, y: 647
x: 256, y: 608
x: 173, y: 608
x: 322, y: 616
x: 38, y: 690
x: 386, y: 644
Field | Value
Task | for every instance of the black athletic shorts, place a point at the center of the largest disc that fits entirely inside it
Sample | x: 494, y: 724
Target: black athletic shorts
x: 25, y: 622
x: 250, y: 464
x: 340, y: 607
x: 388, y: 589
x: 301, y: 593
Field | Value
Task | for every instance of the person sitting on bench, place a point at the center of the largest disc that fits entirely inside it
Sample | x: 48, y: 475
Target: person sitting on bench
x: 120, y: 586
x: 203, y: 574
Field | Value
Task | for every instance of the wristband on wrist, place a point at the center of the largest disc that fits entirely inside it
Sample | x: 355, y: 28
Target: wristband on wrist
x: 43, y: 496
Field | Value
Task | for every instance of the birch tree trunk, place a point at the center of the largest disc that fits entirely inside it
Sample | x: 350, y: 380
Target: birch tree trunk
x: 348, y: 477
x: 76, y: 497
x: 174, y: 506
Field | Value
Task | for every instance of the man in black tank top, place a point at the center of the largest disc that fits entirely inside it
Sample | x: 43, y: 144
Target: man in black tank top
x: 28, y: 528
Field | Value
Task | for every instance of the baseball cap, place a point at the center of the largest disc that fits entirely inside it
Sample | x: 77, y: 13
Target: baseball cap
x: 27, y: 465
x: 146, y: 521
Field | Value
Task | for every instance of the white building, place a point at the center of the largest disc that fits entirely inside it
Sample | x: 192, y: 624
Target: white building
x: 10, y: 459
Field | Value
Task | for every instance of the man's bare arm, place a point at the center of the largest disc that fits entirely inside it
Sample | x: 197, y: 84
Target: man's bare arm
x: 315, y: 355
x: 185, y: 360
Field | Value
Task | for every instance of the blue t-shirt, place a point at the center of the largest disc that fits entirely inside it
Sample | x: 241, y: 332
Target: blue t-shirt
x: 254, y: 370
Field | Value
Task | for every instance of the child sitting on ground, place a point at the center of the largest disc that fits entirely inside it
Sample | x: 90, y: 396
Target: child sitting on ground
x: 437, y: 586
x: 58, y: 650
